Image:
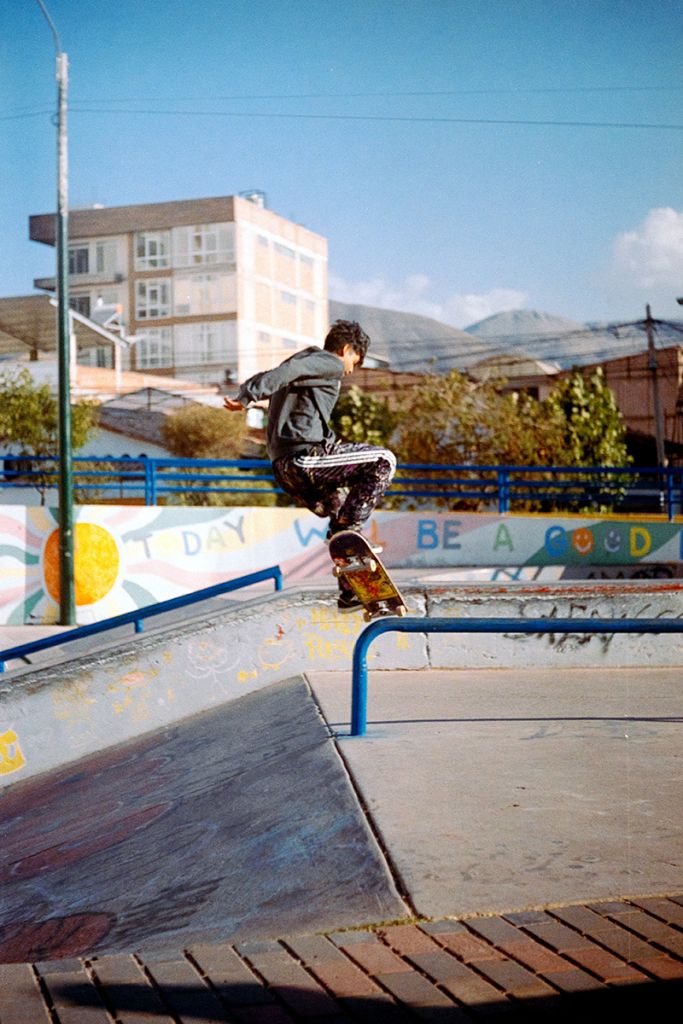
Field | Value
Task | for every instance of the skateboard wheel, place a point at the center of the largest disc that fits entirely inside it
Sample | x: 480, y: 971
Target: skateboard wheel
x: 371, y: 564
x: 402, y: 611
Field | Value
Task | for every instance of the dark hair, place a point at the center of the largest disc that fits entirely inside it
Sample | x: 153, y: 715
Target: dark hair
x: 347, y: 332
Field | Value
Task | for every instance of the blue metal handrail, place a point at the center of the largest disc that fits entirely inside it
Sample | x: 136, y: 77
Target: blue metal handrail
x: 136, y: 617
x: 359, y: 692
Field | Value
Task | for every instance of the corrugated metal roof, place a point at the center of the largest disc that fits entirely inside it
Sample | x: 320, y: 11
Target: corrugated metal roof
x: 29, y: 322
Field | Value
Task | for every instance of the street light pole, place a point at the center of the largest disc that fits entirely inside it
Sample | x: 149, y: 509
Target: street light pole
x: 67, y: 604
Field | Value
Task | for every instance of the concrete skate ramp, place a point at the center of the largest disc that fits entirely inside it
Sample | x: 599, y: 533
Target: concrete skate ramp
x: 239, y: 823
x: 89, y: 697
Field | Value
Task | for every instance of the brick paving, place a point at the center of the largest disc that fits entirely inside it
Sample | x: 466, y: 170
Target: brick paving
x: 572, y: 963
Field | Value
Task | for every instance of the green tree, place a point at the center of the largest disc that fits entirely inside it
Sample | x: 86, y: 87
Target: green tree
x: 205, y: 432
x: 454, y: 420
x: 29, y: 423
x: 361, y: 417
x: 594, y: 433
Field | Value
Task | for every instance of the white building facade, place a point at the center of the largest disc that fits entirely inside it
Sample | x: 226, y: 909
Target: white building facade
x: 212, y: 289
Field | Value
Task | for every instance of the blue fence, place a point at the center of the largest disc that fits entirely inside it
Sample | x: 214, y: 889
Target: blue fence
x: 359, y: 693
x: 494, y: 488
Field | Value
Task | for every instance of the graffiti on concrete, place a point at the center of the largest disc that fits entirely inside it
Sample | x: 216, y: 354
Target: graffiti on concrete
x: 11, y: 756
x: 577, y: 610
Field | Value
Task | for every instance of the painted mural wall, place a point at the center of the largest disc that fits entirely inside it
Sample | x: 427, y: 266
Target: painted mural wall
x: 128, y: 557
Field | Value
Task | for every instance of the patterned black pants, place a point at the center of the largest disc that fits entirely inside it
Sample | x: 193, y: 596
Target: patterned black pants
x: 343, y: 480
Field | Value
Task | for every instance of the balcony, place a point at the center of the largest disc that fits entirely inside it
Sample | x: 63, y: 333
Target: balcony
x: 107, y: 277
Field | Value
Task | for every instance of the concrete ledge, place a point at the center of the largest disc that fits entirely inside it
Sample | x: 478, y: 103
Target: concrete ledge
x: 604, y: 600
x: 79, y: 705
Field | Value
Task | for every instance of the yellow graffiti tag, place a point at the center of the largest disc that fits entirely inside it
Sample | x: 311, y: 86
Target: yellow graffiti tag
x: 73, y: 702
x: 11, y: 757
x: 244, y: 675
x: 320, y: 647
x: 329, y: 619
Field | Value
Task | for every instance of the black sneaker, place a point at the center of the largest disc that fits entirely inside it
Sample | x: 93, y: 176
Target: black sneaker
x: 348, y: 602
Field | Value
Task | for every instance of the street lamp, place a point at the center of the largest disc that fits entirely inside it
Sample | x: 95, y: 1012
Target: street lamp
x: 67, y: 606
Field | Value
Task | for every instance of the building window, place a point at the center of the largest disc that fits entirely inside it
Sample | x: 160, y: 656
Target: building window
x: 202, y: 244
x: 195, y: 294
x: 206, y: 343
x: 155, y: 349
x: 81, y: 303
x: 152, y: 300
x: 105, y: 257
x: 96, y: 258
x: 284, y: 250
x: 289, y: 298
x: 152, y: 250
x: 79, y: 260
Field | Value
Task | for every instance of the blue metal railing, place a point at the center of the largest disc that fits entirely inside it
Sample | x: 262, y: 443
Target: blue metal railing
x: 137, y: 616
x: 641, y: 489
x: 359, y: 693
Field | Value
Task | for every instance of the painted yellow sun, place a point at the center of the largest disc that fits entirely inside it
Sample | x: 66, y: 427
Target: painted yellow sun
x: 96, y: 563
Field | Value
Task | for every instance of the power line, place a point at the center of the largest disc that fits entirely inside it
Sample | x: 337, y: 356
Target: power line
x: 371, y: 118
x: 21, y: 117
x: 388, y: 118
x: 552, y: 90
x: 389, y: 95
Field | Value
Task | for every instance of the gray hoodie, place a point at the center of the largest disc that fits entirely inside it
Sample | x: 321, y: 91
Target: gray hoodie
x: 303, y: 391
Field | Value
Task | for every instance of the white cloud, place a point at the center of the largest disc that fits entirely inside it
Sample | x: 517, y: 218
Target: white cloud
x: 416, y: 295
x: 652, y: 255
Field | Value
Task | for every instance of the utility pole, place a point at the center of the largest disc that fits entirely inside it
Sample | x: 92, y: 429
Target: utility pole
x: 67, y: 604
x: 656, y: 403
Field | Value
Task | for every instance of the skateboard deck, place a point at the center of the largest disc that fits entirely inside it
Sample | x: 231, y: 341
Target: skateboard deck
x: 357, y: 563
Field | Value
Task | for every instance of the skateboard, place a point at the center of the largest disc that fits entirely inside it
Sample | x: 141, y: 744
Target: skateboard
x: 355, y: 560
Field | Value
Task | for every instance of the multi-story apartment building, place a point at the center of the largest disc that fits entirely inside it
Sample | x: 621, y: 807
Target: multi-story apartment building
x: 210, y: 289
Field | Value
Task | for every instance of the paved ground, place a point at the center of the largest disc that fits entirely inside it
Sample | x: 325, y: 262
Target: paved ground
x: 533, y: 825
x: 568, y: 964
x: 494, y: 790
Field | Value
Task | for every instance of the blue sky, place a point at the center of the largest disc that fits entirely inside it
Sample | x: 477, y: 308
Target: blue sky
x: 396, y: 128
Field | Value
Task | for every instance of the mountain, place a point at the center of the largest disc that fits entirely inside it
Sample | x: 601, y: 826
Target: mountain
x: 536, y: 335
x: 407, y: 341
x: 515, y: 324
x: 547, y: 337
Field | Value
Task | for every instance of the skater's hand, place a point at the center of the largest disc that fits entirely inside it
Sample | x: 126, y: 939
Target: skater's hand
x: 232, y: 404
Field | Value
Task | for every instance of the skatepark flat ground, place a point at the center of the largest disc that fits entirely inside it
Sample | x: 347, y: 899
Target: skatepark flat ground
x: 495, y: 790
x: 521, y: 828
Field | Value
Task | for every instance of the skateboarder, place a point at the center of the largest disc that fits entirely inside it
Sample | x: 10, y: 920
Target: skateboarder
x: 336, y: 479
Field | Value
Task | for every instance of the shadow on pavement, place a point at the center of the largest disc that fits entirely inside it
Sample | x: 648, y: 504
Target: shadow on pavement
x: 657, y: 1000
